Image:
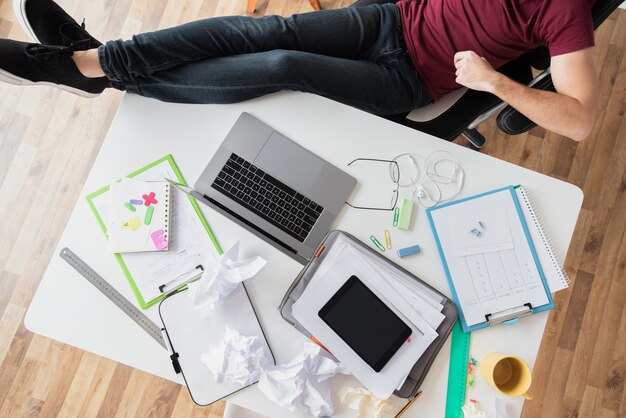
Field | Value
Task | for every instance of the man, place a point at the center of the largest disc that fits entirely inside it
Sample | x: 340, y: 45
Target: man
x: 384, y: 59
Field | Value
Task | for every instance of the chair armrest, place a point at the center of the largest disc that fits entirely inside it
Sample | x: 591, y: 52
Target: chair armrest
x: 511, y: 121
x: 603, y: 9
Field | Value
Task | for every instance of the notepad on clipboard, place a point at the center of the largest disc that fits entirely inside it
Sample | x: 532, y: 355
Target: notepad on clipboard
x: 191, y: 243
x: 494, y: 267
x: 139, y: 216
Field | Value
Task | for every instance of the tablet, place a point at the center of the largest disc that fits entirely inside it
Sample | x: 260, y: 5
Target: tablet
x: 365, y: 323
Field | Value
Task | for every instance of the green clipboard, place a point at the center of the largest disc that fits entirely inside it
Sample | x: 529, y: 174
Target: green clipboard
x: 120, y: 259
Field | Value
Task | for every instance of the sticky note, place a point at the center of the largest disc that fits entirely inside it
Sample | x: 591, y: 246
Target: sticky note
x: 149, y: 199
x: 148, y: 218
x: 404, y: 252
x: 130, y: 207
x: 406, y: 209
x: 137, y: 202
x: 131, y: 224
x: 159, y: 239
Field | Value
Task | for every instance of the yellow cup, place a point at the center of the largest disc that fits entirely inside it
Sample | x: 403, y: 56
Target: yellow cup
x: 509, y: 374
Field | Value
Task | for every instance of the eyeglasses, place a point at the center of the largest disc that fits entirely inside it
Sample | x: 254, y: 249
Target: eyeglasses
x: 394, y: 173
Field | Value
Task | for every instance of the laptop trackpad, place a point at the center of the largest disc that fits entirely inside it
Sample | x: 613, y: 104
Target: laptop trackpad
x: 289, y: 162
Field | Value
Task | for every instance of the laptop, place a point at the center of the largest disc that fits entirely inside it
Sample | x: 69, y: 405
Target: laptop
x: 274, y: 187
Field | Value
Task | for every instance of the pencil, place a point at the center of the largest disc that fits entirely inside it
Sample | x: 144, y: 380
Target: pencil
x: 408, y: 405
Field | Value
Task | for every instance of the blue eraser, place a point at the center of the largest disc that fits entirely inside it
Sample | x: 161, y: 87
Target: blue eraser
x: 414, y: 249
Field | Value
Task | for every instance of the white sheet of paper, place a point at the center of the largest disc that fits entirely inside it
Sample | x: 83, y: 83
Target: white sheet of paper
x: 491, y: 282
x: 495, y: 236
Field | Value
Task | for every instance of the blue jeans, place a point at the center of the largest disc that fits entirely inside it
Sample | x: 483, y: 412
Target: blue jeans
x: 356, y: 56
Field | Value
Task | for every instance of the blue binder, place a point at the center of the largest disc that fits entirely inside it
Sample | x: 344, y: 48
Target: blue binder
x: 515, y: 312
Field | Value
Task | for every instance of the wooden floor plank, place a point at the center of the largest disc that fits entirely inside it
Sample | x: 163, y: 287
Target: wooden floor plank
x: 80, y: 383
x: 98, y: 388
x: 615, y: 377
x: 115, y: 391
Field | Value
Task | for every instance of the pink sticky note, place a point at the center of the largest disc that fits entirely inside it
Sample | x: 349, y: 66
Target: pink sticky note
x: 159, y: 239
x: 149, y: 199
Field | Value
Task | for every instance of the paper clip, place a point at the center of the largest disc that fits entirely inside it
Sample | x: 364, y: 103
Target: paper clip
x: 387, y: 239
x: 478, y: 231
x: 377, y: 243
x: 396, y: 215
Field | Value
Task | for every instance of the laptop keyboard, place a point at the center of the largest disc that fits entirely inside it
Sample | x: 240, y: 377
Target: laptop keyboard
x: 267, y: 197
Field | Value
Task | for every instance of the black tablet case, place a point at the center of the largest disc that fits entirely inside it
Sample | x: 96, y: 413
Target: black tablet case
x: 420, y: 369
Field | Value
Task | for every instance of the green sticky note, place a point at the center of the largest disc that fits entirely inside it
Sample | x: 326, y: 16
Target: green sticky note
x: 148, y: 218
x: 406, y: 209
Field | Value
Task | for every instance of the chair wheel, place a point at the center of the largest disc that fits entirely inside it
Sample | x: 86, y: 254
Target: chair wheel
x: 474, y: 138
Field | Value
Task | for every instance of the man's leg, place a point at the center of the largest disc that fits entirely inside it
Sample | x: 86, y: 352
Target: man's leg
x: 346, y: 33
x: 388, y: 87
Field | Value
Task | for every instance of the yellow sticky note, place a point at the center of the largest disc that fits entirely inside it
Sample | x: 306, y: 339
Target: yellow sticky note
x: 132, y: 224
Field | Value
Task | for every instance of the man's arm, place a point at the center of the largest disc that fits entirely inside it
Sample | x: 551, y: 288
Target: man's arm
x: 570, y: 112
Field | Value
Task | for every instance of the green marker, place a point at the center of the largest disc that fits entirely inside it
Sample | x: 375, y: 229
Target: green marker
x: 377, y: 243
x: 130, y: 207
x: 148, y: 218
x: 396, y: 215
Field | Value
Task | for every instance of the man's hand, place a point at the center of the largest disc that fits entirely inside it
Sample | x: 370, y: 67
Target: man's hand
x: 474, y: 72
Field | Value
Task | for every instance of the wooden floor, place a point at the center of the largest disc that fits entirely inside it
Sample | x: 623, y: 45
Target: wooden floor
x: 49, y: 140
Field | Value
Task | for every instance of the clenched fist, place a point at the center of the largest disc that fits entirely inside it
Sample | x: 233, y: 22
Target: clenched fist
x: 474, y: 72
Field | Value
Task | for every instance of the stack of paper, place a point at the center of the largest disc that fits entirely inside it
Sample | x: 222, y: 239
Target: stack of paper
x: 415, y: 304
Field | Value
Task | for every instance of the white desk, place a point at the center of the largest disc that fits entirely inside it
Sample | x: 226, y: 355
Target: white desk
x: 69, y: 309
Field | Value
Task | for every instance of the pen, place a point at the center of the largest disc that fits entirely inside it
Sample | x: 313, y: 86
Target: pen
x: 408, y: 405
x: 377, y: 243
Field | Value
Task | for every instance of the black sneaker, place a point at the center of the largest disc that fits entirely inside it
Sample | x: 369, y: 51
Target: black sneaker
x: 48, y: 24
x: 33, y: 64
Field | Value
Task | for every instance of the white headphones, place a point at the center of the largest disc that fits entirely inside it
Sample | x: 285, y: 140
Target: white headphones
x: 442, y: 178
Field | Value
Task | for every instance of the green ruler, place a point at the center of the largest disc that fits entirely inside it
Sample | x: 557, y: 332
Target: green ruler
x: 457, y: 376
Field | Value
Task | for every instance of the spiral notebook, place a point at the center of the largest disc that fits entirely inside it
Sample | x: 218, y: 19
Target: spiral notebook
x: 139, y: 216
x: 490, y: 246
x: 550, y: 262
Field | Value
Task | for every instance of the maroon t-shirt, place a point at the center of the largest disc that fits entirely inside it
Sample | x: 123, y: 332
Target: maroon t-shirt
x: 498, y: 30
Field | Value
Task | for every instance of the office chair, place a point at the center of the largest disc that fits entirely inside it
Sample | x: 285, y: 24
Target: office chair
x: 461, y: 111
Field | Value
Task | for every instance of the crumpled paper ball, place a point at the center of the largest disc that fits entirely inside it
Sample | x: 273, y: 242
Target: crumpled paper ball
x: 367, y: 405
x: 221, y: 277
x: 471, y: 411
x: 303, y: 383
x: 238, y: 359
